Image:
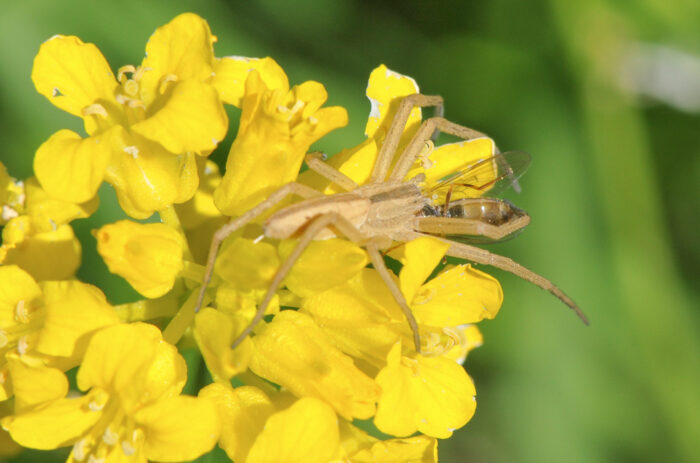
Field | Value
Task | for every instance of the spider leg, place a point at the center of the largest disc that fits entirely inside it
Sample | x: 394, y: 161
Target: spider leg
x: 331, y: 173
x: 312, y: 230
x: 379, y: 265
x: 428, y: 129
x: 221, y: 234
x: 393, y: 136
x: 481, y: 256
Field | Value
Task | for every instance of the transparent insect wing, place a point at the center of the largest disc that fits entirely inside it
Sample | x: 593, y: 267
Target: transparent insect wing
x: 488, y: 177
x: 478, y: 239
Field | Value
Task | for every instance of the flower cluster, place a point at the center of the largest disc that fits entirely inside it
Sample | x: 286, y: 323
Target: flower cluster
x: 330, y: 375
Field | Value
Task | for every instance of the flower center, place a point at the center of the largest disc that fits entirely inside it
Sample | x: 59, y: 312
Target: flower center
x: 439, y: 343
x: 129, y: 94
x: 22, y: 331
x: 115, y: 431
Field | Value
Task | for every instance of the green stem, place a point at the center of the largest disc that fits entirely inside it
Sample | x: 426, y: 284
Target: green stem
x: 148, y: 309
x: 182, y: 319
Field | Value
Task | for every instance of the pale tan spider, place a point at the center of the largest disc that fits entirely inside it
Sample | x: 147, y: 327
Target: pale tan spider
x: 386, y: 210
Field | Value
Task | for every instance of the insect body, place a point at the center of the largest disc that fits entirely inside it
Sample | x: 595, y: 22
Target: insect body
x: 481, y: 220
x: 390, y: 209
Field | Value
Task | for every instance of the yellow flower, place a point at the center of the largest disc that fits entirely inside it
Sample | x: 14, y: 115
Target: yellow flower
x: 385, y: 90
x: 465, y: 339
x: 36, y: 235
x: 231, y: 73
x: 456, y: 296
x: 46, y: 324
x: 428, y: 392
x: 359, y: 447
x: 452, y: 158
x: 254, y: 431
x: 307, y: 431
x: 293, y: 352
x: 148, y: 256
x: 199, y: 216
x: 132, y: 409
x: 46, y: 250
x: 11, y: 196
x: 257, y: 428
x: 337, y: 260
x: 144, y: 127
x: 432, y: 395
x: 243, y: 413
x: 276, y: 129
x: 215, y: 331
x: 364, y: 321
x: 356, y: 316
x: 247, y: 264
x: 247, y: 268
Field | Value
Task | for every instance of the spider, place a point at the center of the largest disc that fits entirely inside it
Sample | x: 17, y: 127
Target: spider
x: 389, y: 209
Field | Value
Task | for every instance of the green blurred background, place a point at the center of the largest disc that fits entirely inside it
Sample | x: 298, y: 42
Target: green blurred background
x: 604, y: 94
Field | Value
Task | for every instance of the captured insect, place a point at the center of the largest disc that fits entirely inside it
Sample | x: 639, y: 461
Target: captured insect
x: 389, y: 209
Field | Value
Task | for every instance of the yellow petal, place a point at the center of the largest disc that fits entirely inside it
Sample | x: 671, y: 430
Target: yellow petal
x: 353, y: 439
x: 35, y: 383
x: 182, y: 49
x: 200, y: 208
x: 457, y: 296
x: 419, y: 258
x: 433, y: 395
x: 148, y: 256
x: 274, y: 134
x: 353, y: 317
x: 294, y: 353
x: 447, y: 160
x: 243, y: 304
x: 419, y: 449
x: 72, y: 74
x: 74, y: 311
x: 231, y: 72
x: 467, y: 338
x: 215, y: 332
x: 45, y: 252
x: 6, y: 386
x: 15, y: 285
x: 12, y: 196
x: 243, y: 412
x: 133, y: 361
x: 148, y: 178
x: 41, y: 204
x: 356, y: 162
x: 384, y: 90
x: 56, y: 424
x: 323, y: 265
x: 454, y: 157
x: 19, y: 310
x: 246, y: 264
x: 191, y: 119
x: 178, y: 428
x: 72, y: 168
x: 306, y: 432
